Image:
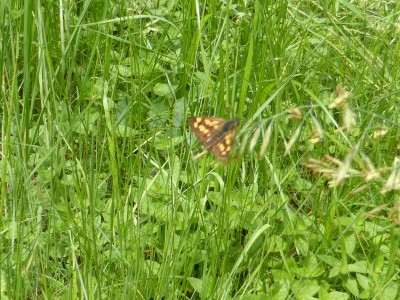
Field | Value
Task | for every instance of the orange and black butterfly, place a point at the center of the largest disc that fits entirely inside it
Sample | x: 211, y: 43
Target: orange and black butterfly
x: 216, y: 134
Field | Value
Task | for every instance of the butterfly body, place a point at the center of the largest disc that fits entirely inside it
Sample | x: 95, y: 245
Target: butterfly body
x: 216, y: 134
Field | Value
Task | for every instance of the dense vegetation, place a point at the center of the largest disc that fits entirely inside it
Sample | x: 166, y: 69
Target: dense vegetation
x: 101, y: 197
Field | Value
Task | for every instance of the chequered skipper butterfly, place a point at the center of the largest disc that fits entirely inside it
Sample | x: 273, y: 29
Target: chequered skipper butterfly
x: 216, y: 134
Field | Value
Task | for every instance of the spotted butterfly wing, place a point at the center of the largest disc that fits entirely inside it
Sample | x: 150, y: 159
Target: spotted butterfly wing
x: 216, y: 134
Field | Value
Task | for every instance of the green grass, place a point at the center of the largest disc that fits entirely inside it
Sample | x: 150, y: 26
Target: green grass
x: 100, y: 197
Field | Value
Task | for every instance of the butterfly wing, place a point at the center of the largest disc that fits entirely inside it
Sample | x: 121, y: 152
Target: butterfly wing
x: 216, y: 134
x: 206, y: 128
x: 222, y: 147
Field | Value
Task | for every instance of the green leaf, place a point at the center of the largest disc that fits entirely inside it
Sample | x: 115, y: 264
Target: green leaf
x: 280, y: 290
x: 164, y: 90
x: 352, y: 286
x: 391, y: 290
x: 360, y: 266
x: 305, y: 289
x: 311, y: 268
x: 364, y: 281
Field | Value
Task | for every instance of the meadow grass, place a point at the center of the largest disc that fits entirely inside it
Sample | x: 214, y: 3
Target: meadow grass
x: 101, y: 197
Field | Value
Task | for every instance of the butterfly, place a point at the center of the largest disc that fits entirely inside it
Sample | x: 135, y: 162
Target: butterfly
x: 216, y: 134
